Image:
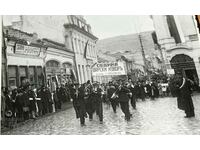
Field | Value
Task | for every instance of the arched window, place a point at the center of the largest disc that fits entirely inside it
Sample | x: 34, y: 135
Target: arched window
x: 52, y: 63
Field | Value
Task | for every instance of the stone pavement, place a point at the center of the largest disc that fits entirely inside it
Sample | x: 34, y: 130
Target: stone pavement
x: 160, y: 116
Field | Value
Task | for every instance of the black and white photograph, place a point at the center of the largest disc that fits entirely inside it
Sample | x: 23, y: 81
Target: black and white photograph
x: 100, y: 75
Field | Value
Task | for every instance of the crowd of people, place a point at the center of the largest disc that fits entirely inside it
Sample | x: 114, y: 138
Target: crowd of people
x: 89, y: 97
x: 28, y: 102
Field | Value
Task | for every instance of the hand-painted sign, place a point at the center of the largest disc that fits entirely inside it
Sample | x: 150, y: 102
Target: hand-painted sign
x: 109, y: 68
x: 27, y: 50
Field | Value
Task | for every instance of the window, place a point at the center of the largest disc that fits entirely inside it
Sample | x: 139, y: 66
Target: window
x: 75, y: 46
x: 40, y: 76
x: 83, y: 47
x: 23, y: 75
x: 80, y: 77
x: 52, y: 63
x: 12, y: 76
x: 83, y: 73
x: 32, y: 74
x: 79, y: 46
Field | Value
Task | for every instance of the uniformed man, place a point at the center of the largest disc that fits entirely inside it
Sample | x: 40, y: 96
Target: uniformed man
x: 123, y: 97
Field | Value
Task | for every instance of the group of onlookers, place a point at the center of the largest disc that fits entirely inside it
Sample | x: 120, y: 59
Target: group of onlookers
x: 28, y: 102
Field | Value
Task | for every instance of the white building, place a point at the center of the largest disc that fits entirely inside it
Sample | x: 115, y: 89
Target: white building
x: 83, y: 43
x: 178, y: 38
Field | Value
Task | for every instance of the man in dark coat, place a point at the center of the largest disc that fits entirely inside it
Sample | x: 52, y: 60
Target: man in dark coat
x: 123, y: 97
x: 57, y: 99
x: 81, y: 104
x: 90, y: 100
x: 32, y: 99
x: 133, y: 91
x: 148, y: 89
x: 45, y: 101
x: 74, y: 95
x: 39, y: 99
x: 112, y: 100
x: 184, y: 97
x: 98, y: 100
x: 26, y: 103
x: 141, y: 91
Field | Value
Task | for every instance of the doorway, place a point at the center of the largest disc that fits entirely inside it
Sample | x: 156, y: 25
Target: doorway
x: 184, y: 64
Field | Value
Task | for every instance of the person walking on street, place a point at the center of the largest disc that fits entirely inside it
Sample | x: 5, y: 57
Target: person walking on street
x: 123, y: 97
x: 113, y: 100
x: 133, y: 94
x: 81, y: 104
x: 184, y: 96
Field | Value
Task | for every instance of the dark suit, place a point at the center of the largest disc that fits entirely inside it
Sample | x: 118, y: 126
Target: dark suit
x: 81, y: 104
x: 113, y: 102
x: 124, y: 101
x: 133, y: 97
x: 185, y: 99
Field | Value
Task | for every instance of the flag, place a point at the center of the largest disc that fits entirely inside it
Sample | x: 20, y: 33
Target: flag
x: 85, y: 49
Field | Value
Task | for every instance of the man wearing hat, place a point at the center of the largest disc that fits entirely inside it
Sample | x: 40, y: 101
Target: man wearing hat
x: 184, y: 95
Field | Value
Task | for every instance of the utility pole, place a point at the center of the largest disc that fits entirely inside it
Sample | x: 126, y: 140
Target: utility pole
x: 143, y: 54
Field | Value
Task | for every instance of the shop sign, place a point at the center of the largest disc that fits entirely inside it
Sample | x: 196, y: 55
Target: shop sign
x: 27, y: 50
x: 110, y: 68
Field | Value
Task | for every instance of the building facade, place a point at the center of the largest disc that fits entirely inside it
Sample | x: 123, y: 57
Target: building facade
x: 79, y: 37
x: 179, y: 42
x: 25, y: 58
x: 59, y: 63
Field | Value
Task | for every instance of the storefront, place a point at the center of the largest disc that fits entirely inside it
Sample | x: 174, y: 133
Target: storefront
x: 25, y: 60
x: 59, y: 64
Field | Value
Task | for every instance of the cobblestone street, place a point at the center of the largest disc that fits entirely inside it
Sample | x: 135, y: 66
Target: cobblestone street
x: 160, y: 116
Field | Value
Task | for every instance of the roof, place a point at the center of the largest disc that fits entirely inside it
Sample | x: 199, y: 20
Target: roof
x: 22, y: 37
x: 54, y: 44
x: 80, y: 30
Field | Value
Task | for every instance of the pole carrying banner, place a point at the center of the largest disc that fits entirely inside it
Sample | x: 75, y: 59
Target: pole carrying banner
x: 108, y: 68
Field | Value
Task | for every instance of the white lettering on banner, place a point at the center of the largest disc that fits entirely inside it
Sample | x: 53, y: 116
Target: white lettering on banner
x: 112, y: 68
x: 27, y: 50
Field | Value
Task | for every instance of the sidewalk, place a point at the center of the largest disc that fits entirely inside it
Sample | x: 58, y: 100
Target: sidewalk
x: 65, y: 106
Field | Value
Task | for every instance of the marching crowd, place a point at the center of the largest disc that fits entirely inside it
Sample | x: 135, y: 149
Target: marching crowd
x: 89, y: 97
x: 27, y: 102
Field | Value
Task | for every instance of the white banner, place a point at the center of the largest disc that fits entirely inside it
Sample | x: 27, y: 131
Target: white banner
x: 109, y: 68
x: 170, y: 71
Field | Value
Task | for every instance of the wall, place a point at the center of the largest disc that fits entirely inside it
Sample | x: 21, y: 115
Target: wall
x: 46, y: 26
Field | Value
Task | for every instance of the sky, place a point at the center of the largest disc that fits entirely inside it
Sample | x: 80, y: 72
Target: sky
x: 109, y: 26
x: 105, y: 26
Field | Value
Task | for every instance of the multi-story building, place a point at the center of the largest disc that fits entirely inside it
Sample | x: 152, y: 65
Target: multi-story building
x: 80, y: 38
x: 179, y: 43
x: 75, y: 51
